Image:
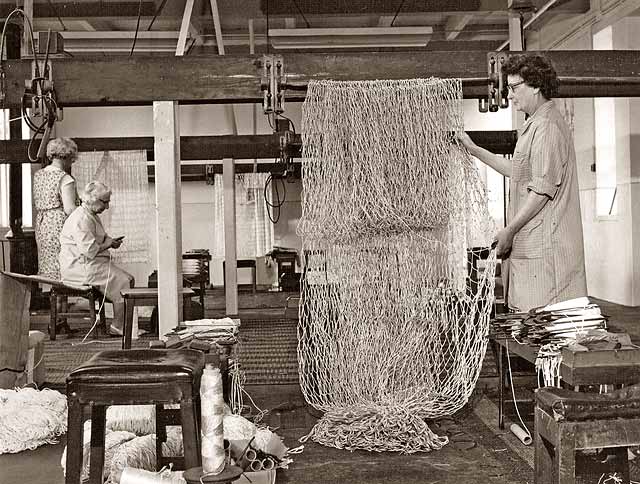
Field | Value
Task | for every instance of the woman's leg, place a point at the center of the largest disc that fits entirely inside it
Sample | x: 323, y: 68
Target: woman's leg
x: 119, y: 279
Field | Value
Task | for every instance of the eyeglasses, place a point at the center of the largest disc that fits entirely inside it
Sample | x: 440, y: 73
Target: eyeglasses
x: 106, y: 202
x: 512, y: 87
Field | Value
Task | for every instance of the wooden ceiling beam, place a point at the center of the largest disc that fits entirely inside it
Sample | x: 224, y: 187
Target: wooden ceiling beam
x: 140, y: 80
x: 239, y: 147
x: 322, y: 7
x: 86, y: 9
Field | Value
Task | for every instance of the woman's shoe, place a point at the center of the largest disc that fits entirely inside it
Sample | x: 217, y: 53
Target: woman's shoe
x: 113, y: 331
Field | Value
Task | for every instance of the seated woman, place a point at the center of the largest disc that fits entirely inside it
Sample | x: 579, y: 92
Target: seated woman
x: 84, y: 252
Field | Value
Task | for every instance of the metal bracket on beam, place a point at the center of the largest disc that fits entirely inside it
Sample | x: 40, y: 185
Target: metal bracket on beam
x: 40, y: 96
x: 272, y: 84
x: 496, y: 86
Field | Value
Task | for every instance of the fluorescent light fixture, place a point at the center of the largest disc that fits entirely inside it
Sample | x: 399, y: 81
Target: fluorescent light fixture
x: 119, y: 41
x: 344, y: 38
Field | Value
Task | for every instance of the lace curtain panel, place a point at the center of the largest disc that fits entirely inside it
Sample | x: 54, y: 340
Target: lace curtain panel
x: 125, y: 172
x: 254, y: 230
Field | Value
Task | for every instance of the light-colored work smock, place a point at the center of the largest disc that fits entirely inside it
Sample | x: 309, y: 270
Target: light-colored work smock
x: 81, y: 260
x: 546, y: 263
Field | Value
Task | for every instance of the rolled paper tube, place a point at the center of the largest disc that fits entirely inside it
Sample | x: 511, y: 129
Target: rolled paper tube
x: 251, y: 455
x: 256, y: 465
x: 212, y: 414
x: 522, y: 435
x: 131, y: 475
x: 267, y: 464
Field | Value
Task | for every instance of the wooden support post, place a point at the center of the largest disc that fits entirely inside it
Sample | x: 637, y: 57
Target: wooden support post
x: 166, y: 132
x: 515, y: 44
x: 26, y: 47
x: 230, y: 255
x: 13, y: 43
x: 184, y: 28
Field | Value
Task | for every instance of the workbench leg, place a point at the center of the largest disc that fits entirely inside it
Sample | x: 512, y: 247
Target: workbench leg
x: 500, y: 387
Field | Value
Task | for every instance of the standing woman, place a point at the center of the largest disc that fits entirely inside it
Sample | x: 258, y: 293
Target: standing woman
x: 54, y: 195
x: 543, y: 239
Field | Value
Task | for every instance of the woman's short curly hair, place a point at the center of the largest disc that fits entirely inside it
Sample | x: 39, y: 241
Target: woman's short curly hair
x: 535, y: 70
x: 94, y: 191
x: 63, y: 148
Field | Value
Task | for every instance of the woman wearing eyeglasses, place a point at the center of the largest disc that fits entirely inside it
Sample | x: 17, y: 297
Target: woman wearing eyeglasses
x: 84, y: 252
x: 543, y: 239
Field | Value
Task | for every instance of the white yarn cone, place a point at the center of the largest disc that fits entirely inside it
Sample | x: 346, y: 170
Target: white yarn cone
x: 212, y: 435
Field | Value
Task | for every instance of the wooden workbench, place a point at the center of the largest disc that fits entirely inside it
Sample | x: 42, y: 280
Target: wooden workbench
x: 596, y: 367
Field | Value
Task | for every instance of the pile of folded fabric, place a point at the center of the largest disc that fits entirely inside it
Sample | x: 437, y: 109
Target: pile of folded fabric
x: 211, y: 330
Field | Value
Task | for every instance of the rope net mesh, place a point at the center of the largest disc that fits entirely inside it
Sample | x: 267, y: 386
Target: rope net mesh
x: 398, y: 277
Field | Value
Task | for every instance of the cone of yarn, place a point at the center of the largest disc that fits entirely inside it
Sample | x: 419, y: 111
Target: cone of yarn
x: 131, y: 475
x: 212, y: 434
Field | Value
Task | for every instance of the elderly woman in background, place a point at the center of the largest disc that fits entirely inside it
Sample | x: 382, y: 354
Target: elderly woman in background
x: 84, y: 252
x: 54, y: 196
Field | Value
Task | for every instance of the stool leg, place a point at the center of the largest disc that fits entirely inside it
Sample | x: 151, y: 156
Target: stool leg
x: 189, y: 434
x: 75, y: 430
x: 128, y: 324
x: 186, y: 308
x: 92, y: 310
x: 53, y: 301
x: 253, y: 274
x: 161, y: 436
x: 103, y: 319
x: 98, y: 420
x: 565, y: 459
x: 543, y: 468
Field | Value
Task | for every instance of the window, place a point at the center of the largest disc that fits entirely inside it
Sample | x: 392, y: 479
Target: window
x: 27, y: 215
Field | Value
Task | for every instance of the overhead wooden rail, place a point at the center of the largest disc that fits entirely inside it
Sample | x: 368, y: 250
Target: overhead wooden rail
x: 140, y: 80
x: 266, y: 146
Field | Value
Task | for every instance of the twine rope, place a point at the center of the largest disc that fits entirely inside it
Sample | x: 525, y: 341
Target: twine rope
x: 393, y: 315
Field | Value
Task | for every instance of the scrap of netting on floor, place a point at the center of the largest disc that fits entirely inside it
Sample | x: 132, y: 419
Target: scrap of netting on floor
x: 398, y: 275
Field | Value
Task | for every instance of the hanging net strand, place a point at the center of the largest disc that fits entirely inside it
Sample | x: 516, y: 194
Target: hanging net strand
x: 398, y: 278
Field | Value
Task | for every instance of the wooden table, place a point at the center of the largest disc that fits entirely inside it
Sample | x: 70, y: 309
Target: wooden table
x: 596, y: 367
x: 147, y: 296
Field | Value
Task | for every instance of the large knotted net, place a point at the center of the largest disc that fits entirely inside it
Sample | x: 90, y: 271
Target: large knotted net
x: 398, y: 276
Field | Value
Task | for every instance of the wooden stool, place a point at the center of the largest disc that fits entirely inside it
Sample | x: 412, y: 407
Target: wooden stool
x: 566, y: 421
x: 147, y: 296
x: 60, y: 292
x: 131, y: 377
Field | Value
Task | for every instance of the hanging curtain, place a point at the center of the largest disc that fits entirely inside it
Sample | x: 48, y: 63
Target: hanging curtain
x: 254, y: 230
x: 125, y: 172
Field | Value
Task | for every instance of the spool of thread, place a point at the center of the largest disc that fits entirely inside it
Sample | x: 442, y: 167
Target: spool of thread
x: 522, y: 434
x: 268, y: 464
x: 212, y: 435
x: 131, y: 475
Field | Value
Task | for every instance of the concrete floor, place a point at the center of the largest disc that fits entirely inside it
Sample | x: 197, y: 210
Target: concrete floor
x: 496, y: 457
